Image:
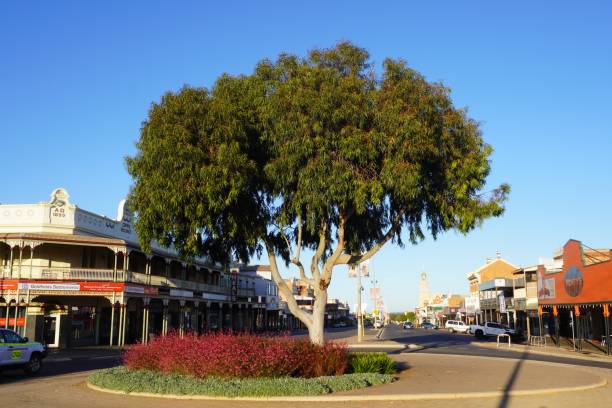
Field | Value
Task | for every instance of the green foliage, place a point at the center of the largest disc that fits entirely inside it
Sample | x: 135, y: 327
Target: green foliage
x: 319, y: 142
x: 120, y: 378
x: 379, y: 363
x: 402, y: 317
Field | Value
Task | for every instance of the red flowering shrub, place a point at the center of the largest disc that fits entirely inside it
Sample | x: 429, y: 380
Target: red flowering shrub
x: 238, y: 355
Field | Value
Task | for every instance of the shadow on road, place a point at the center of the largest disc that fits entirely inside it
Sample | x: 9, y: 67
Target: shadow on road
x: 512, y: 379
x: 70, y: 361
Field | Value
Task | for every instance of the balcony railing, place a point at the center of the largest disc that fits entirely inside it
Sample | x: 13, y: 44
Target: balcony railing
x: 37, y: 272
x: 493, y: 303
x: 246, y: 292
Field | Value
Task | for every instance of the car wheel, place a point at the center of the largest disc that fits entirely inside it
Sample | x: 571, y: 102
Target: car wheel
x: 452, y: 331
x: 479, y: 334
x: 34, y: 365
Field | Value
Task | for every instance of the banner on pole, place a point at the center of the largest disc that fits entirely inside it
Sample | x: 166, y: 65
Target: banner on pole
x: 362, y: 268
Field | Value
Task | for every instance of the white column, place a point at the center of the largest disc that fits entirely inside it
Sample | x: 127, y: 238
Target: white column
x: 31, y: 258
x: 112, y: 324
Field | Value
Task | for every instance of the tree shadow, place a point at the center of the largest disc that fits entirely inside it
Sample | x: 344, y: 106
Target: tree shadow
x: 503, y: 403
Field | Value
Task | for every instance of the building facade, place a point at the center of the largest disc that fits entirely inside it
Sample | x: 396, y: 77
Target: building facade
x: 69, y: 277
x: 575, y: 295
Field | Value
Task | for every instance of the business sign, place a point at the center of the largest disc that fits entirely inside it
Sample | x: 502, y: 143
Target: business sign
x: 50, y: 286
x: 8, y: 285
x: 102, y: 286
x: 181, y: 293
x: 502, y: 302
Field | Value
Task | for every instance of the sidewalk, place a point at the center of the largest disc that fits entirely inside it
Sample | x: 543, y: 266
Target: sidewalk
x: 550, y: 350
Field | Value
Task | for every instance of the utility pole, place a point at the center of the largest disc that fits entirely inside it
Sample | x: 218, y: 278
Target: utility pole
x: 359, y: 311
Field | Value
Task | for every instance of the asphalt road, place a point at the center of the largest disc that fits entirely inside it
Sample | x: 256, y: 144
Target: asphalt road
x: 443, y: 342
x: 435, y: 342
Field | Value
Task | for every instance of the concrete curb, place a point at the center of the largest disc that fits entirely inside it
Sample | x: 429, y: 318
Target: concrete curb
x: 397, y: 346
x: 355, y: 398
x: 521, y: 349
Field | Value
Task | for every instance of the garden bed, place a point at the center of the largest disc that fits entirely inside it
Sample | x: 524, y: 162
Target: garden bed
x: 243, y: 365
x: 145, y: 381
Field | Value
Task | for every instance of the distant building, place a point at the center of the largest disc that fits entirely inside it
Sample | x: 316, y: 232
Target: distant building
x: 479, y: 303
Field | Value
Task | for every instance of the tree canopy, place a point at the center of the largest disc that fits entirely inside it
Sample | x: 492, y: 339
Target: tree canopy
x: 313, y: 152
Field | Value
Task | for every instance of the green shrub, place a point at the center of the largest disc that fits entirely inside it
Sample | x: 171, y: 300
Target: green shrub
x: 123, y: 379
x: 379, y: 363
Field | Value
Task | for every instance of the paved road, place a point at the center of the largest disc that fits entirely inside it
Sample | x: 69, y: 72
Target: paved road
x: 61, y: 384
x: 443, y: 342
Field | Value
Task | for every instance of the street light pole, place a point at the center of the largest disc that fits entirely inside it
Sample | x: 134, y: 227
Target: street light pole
x: 359, y: 311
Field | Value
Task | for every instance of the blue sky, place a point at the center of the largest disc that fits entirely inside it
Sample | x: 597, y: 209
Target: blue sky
x: 77, y: 79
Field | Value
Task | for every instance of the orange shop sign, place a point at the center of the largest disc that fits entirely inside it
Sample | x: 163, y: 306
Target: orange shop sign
x: 11, y: 322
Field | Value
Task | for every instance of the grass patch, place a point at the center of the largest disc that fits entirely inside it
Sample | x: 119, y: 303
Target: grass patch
x: 379, y: 363
x: 123, y: 379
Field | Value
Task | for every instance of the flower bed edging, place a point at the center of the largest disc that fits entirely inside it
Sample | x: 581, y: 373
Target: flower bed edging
x: 141, y: 382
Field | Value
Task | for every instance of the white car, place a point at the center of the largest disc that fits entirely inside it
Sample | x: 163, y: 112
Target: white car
x: 491, y: 329
x: 378, y: 324
x: 19, y: 352
x: 457, y: 326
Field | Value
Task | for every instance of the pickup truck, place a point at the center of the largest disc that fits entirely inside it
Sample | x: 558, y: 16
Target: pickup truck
x: 490, y: 329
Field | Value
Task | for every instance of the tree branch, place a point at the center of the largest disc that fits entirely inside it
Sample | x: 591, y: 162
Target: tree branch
x: 284, y: 289
x: 347, y: 259
x: 314, y: 264
x: 331, y: 261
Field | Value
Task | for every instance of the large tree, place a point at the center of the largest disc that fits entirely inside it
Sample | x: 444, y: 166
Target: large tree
x: 316, y: 152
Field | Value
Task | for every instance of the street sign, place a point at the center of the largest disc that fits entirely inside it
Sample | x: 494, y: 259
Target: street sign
x: 375, y: 312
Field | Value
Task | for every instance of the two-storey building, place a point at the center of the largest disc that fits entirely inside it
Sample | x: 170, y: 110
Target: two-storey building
x: 70, y: 277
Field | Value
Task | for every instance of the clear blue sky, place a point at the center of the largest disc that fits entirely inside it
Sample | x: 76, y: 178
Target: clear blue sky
x: 76, y: 80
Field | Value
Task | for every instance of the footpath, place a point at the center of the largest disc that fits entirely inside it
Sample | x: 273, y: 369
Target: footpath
x: 550, y: 350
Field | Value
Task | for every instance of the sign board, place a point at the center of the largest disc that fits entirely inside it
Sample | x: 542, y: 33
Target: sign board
x: 472, y: 304
x: 502, y: 302
x: 374, y: 293
x: 500, y: 282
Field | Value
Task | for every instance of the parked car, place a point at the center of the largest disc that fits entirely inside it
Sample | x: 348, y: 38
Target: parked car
x: 339, y: 324
x: 491, y: 329
x: 19, y: 352
x: 378, y: 324
x: 457, y: 326
x: 408, y: 325
x: 428, y: 325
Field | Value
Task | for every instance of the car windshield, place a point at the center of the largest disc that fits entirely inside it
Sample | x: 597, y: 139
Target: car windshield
x: 10, y: 337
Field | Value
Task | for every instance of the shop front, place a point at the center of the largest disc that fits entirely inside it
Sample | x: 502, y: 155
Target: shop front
x: 575, y: 297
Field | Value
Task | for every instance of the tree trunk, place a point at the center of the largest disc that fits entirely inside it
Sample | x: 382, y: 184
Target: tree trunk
x: 316, y: 330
